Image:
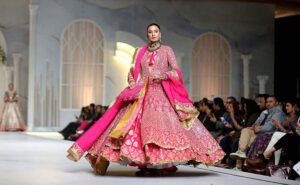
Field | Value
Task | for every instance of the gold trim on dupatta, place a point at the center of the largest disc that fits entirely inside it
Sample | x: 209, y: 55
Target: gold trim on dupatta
x: 116, y: 132
x: 191, y: 111
x: 75, y: 152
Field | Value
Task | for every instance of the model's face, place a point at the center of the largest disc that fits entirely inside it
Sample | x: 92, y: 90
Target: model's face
x: 153, y: 34
x: 11, y: 87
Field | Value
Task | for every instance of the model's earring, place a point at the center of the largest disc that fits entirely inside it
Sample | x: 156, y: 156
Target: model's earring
x: 160, y: 39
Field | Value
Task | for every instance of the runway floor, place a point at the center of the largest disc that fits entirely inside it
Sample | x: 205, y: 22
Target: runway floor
x: 40, y: 158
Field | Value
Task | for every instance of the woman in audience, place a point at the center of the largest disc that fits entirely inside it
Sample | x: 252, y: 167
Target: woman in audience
x: 199, y: 106
x: 251, y: 114
x: 292, y: 116
x: 232, y: 126
x: 207, y: 120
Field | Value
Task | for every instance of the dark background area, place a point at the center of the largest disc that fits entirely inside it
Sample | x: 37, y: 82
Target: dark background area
x: 287, y: 57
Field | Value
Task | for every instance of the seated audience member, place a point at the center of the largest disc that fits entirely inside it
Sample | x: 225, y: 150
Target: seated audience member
x: 199, y: 107
x: 209, y: 114
x: 232, y: 126
x: 219, y: 111
x: 262, y: 101
x: 251, y: 114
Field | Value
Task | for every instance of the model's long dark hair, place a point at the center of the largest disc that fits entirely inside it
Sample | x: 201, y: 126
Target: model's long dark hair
x: 153, y: 24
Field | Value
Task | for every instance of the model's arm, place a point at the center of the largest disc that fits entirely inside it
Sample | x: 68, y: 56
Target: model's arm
x: 15, y: 97
x: 172, y: 58
x: 6, y: 98
x: 172, y: 63
x: 130, y: 78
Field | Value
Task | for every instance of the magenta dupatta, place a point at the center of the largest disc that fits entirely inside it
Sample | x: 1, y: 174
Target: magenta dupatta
x: 179, y: 98
x: 175, y: 89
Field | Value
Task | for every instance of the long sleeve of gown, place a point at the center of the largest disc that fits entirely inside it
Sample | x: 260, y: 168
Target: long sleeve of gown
x: 130, y: 76
x: 6, y: 97
x: 172, y: 62
x: 172, y: 58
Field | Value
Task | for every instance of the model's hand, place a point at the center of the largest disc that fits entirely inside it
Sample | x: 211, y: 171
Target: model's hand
x: 153, y: 79
x: 157, y: 78
x: 132, y: 84
x: 130, y: 79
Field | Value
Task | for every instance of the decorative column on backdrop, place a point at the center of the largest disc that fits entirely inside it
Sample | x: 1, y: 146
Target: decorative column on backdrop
x: 32, y: 61
x: 262, y: 80
x: 17, y: 57
x: 9, y: 72
x: 246, y: 73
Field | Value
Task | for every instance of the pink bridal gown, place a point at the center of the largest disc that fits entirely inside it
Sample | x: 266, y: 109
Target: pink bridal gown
x: 156, y: 135
x: 11, y: 118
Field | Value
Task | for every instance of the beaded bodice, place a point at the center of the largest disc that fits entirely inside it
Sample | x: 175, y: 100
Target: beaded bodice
x: 158, y: 62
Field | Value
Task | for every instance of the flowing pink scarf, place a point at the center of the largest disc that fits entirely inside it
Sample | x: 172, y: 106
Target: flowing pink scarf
x: 178, y: 96
x: 138, y: 63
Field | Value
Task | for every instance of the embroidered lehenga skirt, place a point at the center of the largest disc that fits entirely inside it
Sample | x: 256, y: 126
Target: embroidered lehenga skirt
x: 157, y: 138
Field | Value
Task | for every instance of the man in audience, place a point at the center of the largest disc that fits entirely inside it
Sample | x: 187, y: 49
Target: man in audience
x: 262, y: 101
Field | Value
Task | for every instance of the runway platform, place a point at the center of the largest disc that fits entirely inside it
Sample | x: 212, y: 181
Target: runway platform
x: 39, y: 158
